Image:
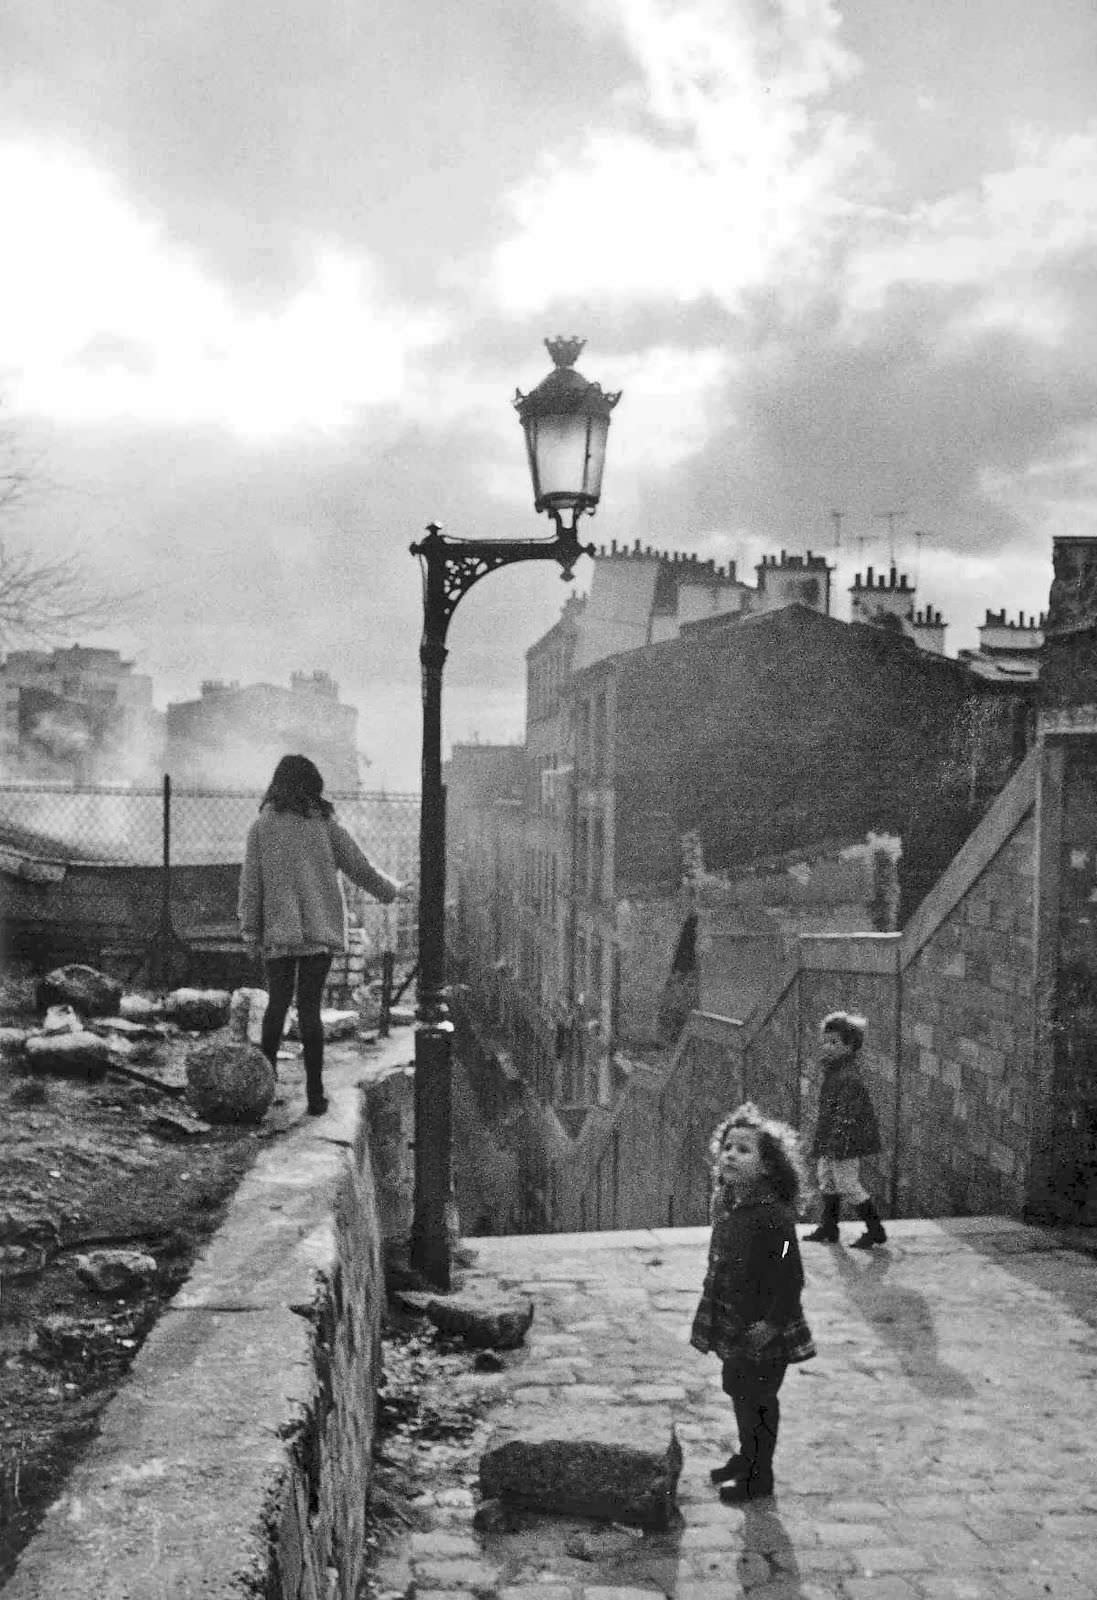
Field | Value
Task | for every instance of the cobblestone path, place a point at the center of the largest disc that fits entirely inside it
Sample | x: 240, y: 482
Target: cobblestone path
x: 943, y: 1445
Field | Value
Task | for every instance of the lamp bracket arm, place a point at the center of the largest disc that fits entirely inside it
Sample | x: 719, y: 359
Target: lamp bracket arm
x: 454, y: 565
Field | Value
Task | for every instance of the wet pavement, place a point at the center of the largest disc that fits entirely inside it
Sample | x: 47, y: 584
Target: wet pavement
x: 942, y: 1446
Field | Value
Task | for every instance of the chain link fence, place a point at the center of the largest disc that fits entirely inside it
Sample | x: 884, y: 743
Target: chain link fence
x: 158, y: 868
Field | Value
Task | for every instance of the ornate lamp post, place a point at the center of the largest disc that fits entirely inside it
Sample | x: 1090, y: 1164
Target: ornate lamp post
x: 566, y: 422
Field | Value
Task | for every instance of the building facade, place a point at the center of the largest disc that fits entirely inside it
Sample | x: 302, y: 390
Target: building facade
x: 232, y: 736
x: 710, y: 763
x: 77, y: 715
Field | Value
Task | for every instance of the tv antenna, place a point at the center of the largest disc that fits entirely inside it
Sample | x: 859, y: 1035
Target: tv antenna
x: 891, y: 518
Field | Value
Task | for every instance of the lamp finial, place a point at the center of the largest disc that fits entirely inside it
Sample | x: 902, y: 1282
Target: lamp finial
x: 564, y: 352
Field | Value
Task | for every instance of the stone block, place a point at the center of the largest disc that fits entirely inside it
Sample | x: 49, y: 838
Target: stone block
x: 117, y: 1272
x: 88, y: 991
x: 198, y: 1010
x: 482, y: 1324
x: 610, y: 1464
x: 69, y: 1055
x: 229, y: 1081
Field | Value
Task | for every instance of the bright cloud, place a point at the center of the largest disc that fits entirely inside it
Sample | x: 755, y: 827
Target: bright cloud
x: 721, y: 171
x: 997, y: 239
x: 103, y: 317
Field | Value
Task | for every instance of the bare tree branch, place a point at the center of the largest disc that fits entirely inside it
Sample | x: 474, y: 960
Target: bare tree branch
x: 42, y: 602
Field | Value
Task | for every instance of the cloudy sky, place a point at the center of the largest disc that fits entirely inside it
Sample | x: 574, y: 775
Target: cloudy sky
x: 272, y: 270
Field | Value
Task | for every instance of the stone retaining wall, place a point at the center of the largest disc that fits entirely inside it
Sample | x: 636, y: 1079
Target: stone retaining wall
x: 318, y: 1549
x: 949, y: 1055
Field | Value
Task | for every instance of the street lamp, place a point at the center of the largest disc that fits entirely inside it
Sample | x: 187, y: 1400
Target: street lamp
x: 566, y: 421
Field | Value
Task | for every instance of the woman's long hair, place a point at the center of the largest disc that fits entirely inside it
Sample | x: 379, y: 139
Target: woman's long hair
x: 297, y: 786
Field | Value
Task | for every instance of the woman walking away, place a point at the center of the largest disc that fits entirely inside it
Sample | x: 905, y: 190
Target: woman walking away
x: 750, y: 1314
x: 845, y: 1130
x: 292, y: 909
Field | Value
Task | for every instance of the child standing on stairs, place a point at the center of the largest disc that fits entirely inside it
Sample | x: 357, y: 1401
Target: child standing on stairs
x: 749, y: 1314
x: 846, y: 1129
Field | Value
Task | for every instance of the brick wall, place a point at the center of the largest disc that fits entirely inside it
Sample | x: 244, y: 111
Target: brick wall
x: 967, y: 1045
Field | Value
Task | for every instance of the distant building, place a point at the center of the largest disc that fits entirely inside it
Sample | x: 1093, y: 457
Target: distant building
x: 683, y: 728
x: 232, y: 736
x: 1009, y: 652
x: 77, y: 715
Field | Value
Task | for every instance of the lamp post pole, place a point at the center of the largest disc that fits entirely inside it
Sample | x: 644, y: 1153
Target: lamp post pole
x: 451, y: 567
x: 566, y: 420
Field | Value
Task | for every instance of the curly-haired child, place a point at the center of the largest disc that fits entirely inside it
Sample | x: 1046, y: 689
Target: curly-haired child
x: 750, y: 1314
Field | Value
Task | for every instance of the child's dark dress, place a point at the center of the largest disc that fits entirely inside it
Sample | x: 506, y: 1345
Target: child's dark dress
x: 754, y: 1275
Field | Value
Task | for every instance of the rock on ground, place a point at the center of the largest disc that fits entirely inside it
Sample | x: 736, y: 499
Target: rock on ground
x: 336, y: 1024
x: 139, y: 1008
x: 61, y: 1019
x: 611, y: 1465
x: 29, y: 1225
x: 70, y: 1055
x: 200, y: 1010
x: 88, y: 991
x: 12, y: 1042
x: 482, y: 1324
x: 229, y: 1080
x: 117, y: 1272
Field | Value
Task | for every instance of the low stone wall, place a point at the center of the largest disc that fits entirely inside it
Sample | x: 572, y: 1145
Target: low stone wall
x: 236, y: 1459
x: 318, y: 1551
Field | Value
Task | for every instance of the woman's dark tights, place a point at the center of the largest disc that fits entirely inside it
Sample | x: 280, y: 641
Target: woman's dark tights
x: 306, y: 974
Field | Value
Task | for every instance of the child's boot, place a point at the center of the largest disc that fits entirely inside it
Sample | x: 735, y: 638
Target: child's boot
x: 755, y: 1481
x: 733, y: 1468
x: 827, y: 1231
x: 874, y: 1229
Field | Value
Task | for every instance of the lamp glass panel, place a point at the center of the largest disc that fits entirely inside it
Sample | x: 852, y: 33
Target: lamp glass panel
x: 597, y: 432
x: 561, y: 449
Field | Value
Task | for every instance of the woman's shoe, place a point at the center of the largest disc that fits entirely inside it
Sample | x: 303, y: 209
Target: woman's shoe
x: 733, y: 1467
x: 316, y: 1108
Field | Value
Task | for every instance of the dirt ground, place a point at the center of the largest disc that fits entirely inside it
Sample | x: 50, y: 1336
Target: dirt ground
x: 430, y: 1436
x: 86, y: 1166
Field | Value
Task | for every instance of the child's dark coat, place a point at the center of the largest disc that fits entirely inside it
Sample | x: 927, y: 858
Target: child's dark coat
x: 754, y: 1275
x: 846, y: 1126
